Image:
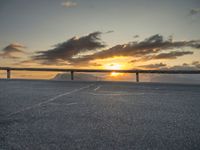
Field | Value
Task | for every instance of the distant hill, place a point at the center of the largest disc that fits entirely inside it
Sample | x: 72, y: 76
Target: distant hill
x: 93, y: 77
x: 77, y: 76
x: 130, y: 77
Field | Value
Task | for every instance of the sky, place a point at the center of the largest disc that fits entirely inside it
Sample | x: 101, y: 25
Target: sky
x: 103, y: 34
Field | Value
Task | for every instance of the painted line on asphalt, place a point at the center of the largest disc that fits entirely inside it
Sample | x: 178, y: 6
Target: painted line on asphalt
x: 50, y: 100
x: 114, y: 94
x: 68, y: 104
x: 98, y: 87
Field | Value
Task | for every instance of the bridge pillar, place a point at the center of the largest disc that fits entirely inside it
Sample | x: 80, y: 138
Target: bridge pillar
x: 72, y: 75
x: 8, y: 73
x: 137, y: 77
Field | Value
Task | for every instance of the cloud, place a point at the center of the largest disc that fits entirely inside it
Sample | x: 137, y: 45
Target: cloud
x: 152, y: 45
x: 69, y: 4
x: 71, y: 48
x: 154, y: 66
x: 170, y: 55
x: 136, y: 36
x: 183, y: 67
x: 79, y: 51
x: 13, y: 51
x: 31, y: 62
x: 196, y: 64
x: 194, y: 11
x: 193, y: 66
x: 110, y: 31
x: 96, y: 64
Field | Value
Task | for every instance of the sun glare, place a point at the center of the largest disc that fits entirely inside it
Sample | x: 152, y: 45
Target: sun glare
x: 114, y: 66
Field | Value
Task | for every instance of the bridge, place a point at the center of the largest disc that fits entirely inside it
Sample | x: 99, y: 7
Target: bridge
x: 96, y: 115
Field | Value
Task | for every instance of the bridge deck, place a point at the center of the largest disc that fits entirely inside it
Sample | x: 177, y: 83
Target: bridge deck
x: 98, y: 115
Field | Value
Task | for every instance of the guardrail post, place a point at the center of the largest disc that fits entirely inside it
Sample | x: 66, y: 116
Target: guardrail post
x: 137, y: 77
x: 72, y: 75
x: 8, y: 73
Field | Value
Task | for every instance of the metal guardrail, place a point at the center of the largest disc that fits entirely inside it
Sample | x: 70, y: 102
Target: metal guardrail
x: 72, y: 71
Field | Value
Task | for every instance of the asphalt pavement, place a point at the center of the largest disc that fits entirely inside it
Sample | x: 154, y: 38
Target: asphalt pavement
x: 73, y: 115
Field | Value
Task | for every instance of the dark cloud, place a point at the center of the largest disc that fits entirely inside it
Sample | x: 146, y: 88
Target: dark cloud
x: 196, y: 64
x: 67, y: 50
x: 13, y: 51
x: 154, y: 66
x: 136, y: 36
x: 152, y: 45
x: 185, y: 66
x: 170, y: 55
x: 194, y: 11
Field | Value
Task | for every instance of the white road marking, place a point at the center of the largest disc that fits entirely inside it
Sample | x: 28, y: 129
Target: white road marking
x: 97, y: 88
x: 115, y: 94
x: 63, y: 104
x: 50, y: 100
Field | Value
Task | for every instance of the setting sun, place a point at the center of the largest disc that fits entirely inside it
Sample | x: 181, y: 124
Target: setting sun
x: 114, y: 66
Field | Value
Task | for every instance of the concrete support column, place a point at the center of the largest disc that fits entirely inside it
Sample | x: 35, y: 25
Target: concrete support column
x: 8, y: 74
x: 137, y: 77
x: 72, y: 75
